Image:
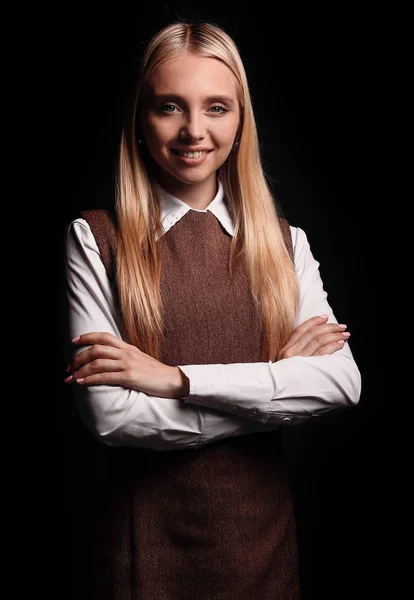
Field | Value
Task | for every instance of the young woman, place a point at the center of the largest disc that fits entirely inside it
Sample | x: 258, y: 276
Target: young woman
x: 200, y: 327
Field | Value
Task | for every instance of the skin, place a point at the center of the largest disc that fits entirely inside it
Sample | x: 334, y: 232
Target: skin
x: 185, y: 107
x: 112, y: 361
x: 190, y: 102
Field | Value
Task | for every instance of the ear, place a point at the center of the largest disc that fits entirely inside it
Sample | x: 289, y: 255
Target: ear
x: 237, y: 137
x: 239, y: 132
x: 139, y: 136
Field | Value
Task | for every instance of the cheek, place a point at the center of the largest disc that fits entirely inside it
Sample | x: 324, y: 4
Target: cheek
x: 225, y: 137
x: 155, y: 131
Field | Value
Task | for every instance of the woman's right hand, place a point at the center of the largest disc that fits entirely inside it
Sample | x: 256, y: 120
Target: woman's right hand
x: 314, y: 337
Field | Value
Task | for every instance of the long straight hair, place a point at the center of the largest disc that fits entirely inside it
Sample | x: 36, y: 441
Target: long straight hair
x: 257, y: 238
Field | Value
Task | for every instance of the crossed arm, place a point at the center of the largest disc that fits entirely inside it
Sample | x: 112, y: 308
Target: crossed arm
x: 128, y: 398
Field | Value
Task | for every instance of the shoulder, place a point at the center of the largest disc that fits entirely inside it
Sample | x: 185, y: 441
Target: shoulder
x: 100, y: 220
x: 100, y: 235
x: 79, y: 235
x: 77, y: 227
x: 303, y: 257
x: 95, y: 214
x: 299, y: 239
x: 95, y: 224
x: 298, y: 236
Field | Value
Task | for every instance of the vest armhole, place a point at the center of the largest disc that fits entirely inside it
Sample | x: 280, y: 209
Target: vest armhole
x: 103, y: 226
x: 287, y: 236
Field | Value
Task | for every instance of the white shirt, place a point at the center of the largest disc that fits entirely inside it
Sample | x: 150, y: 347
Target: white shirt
x: 224, y: 400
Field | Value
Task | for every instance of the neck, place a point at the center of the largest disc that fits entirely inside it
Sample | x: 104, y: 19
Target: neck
x: 196, y: 195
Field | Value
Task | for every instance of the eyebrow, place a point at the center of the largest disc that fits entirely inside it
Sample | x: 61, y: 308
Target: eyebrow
x: 176, y: 97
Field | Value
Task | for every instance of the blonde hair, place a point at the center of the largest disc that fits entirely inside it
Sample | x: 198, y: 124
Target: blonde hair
x: 257, y: 232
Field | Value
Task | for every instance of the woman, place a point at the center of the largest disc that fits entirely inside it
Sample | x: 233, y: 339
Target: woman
x: 200, y: 326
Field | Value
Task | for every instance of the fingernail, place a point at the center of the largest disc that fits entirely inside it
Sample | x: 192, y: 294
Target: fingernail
x: 80, y: 380
x: 343, y: 326
x: 76, y: 338
x: 67, y: 369
x: 346, y: 334
x: 69, y: 379
x: 323, y: 316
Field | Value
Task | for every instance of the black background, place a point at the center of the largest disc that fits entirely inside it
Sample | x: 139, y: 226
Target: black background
x: 309, y: 76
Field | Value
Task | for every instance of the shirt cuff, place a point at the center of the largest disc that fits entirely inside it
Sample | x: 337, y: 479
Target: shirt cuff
x: 230, y: 388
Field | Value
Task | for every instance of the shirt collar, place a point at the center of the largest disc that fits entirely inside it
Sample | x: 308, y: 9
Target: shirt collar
x: 173, y: 209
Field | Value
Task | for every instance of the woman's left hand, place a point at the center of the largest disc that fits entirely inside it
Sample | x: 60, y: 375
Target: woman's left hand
x: 111, y: 361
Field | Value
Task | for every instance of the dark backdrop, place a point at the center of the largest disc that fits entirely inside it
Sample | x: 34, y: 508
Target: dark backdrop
x: 309, y: 84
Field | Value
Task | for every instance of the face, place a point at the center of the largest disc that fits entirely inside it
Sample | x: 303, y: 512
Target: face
x: 189, y: 120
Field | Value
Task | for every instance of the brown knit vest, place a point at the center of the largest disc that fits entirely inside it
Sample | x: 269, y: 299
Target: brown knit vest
x: 210, y: 523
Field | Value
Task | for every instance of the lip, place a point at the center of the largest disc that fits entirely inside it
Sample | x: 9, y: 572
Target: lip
x: 192, y: 149
x: 192, y: 162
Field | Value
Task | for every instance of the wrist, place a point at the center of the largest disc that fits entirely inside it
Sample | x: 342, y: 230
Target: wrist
x: 180, y: 384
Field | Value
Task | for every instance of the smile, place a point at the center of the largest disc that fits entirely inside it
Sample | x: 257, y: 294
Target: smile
x: 192, y: 154
x: 192, y: 158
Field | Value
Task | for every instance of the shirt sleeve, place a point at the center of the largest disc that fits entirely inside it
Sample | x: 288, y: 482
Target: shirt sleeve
x: 290, y: 390
x: 116, y: 415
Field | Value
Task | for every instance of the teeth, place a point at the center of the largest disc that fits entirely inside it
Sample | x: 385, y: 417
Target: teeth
x: 192, y: 154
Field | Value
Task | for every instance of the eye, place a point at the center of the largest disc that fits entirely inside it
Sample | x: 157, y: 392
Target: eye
x: 218, y: 109
x: 167, y: 108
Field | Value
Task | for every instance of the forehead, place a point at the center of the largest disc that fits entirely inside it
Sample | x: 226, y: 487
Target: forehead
x: 189, y: 73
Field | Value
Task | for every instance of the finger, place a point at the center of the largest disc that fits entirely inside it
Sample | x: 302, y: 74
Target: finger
x: 99, y: 337
x: 94, y: 353
x: 319, y: 336
x: 314, y: 336
x: 99, y: 366
x: 94, y: 367
x: 320, y: 341
x: 109, y: 378
x: 330, y: 348
x: 307, y: 325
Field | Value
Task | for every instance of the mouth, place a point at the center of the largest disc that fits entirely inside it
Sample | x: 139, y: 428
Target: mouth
x: 198, y: 154
x: 191, y: 159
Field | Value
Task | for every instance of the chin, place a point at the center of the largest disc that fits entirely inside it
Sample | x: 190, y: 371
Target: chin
x: 192, y: 178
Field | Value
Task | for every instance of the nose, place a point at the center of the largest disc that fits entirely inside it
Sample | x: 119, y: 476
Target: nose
x: 194, y: 128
